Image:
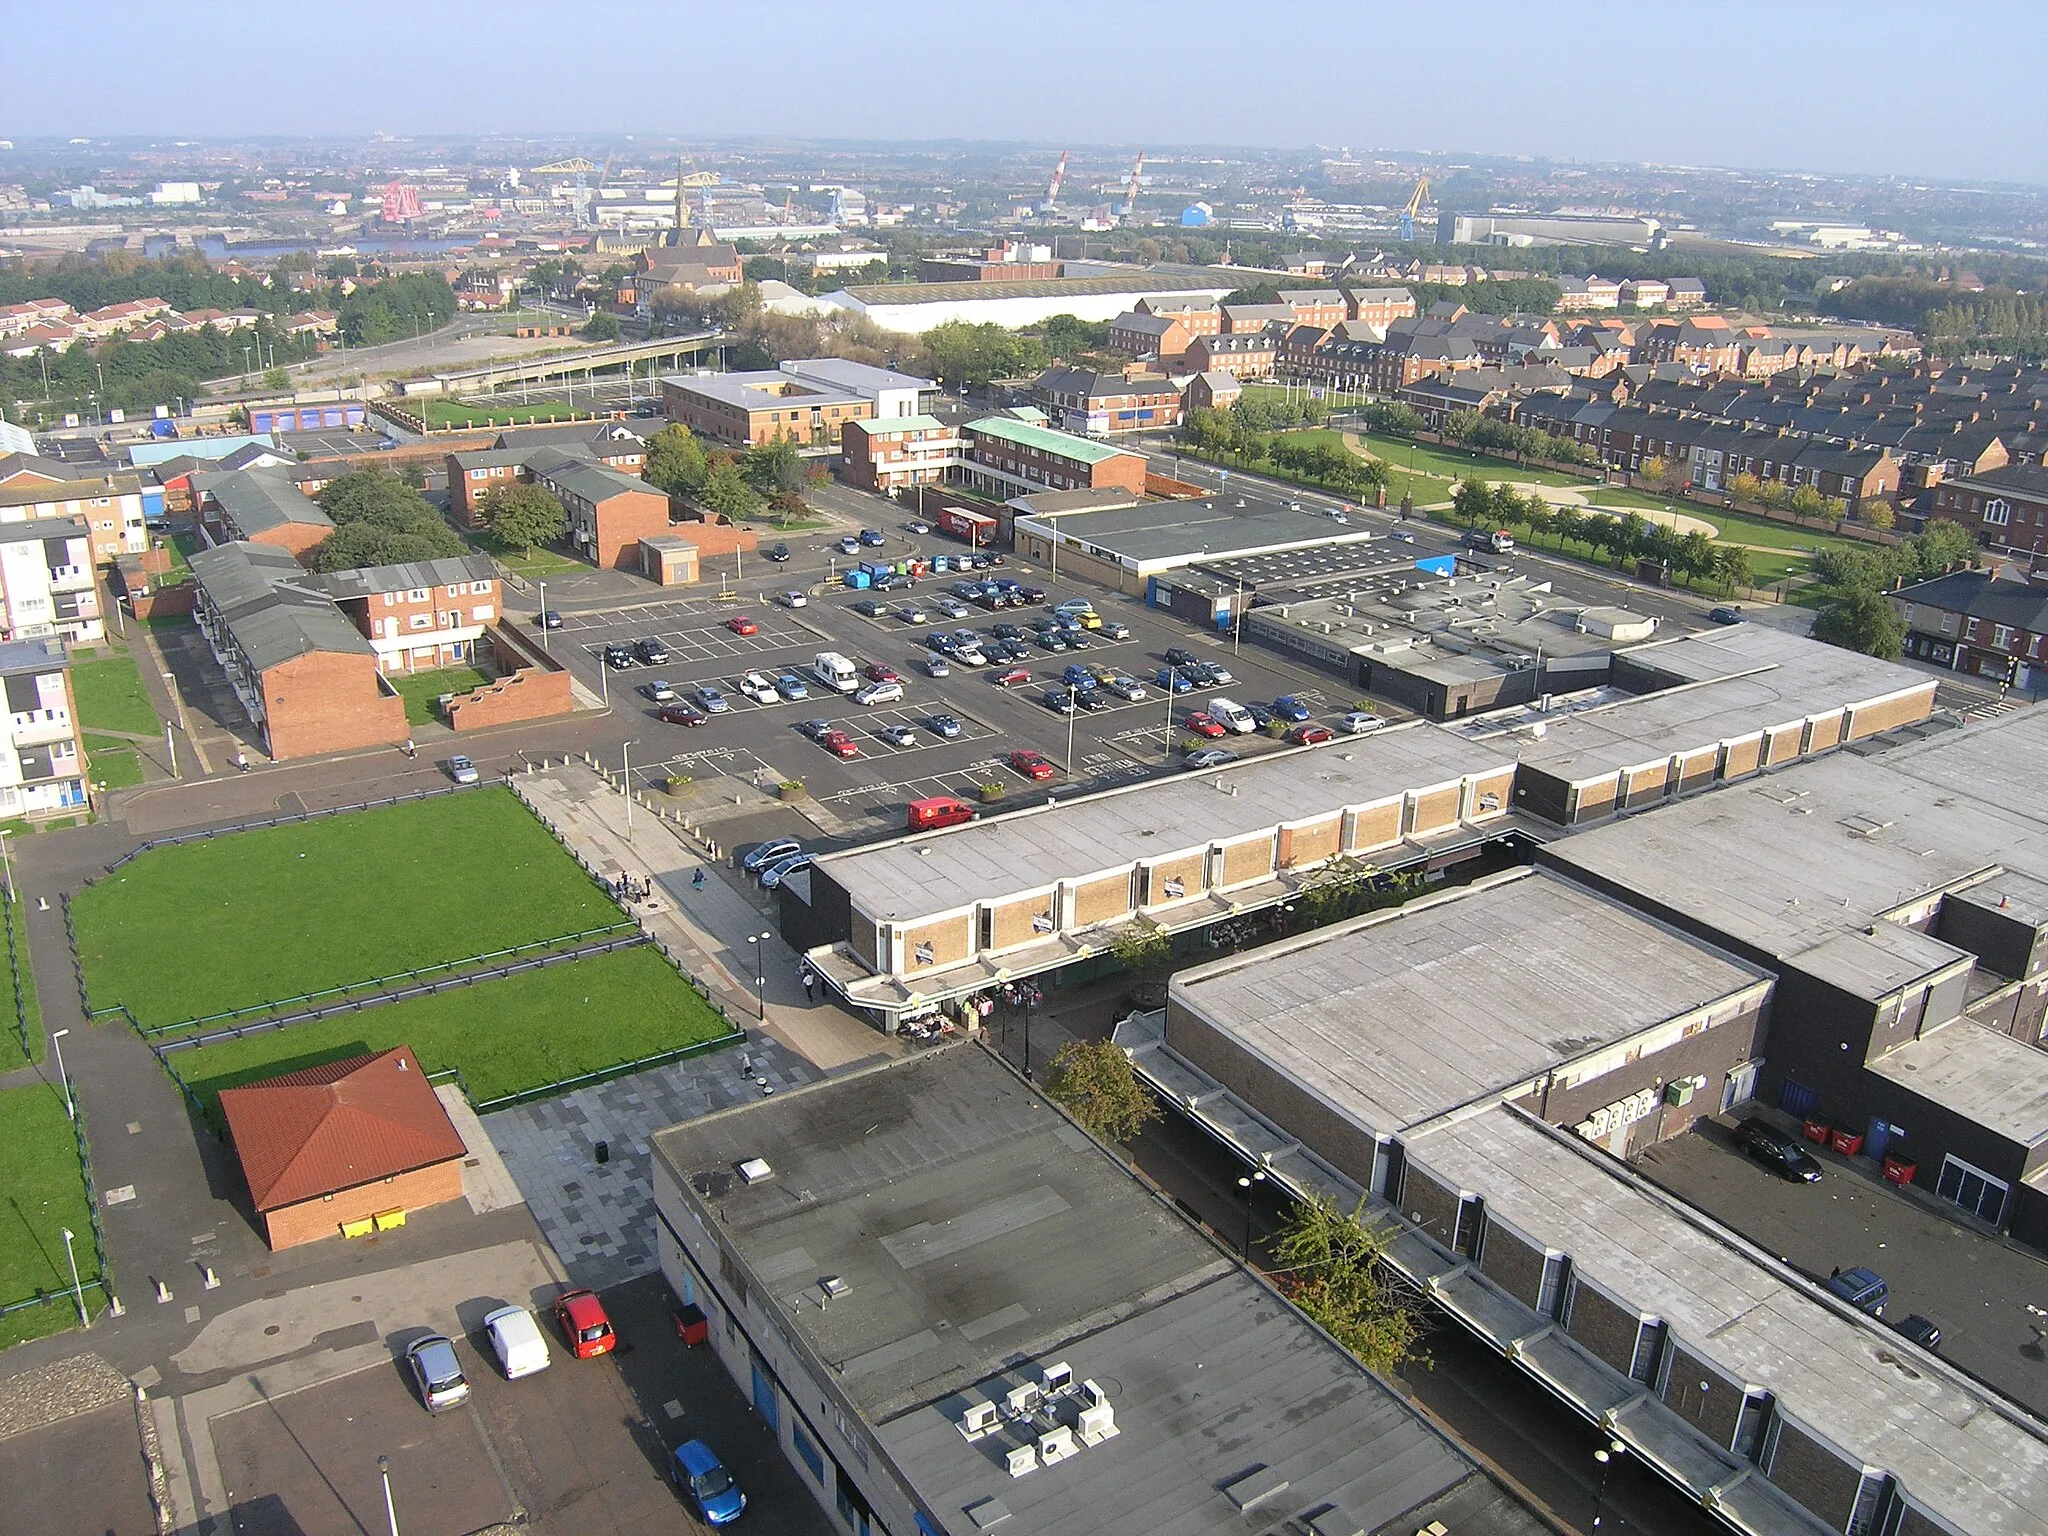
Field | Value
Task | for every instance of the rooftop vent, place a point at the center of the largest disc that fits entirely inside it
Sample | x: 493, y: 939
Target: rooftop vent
x: 834, y: 1287
x: 756, y: 1169
x: 980, y: 1419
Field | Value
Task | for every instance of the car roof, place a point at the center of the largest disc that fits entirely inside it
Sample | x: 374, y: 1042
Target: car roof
x: 696, y: 1457
x: 583, y: 1308
x: 433, y: 1345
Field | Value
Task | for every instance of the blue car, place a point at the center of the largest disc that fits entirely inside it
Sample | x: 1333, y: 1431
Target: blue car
x: 1081, y: 677
x: 945, y: 726
x: 703, y: 1480
x: 1171, y: 678
x: 1290, y: 709
x: 872, y: 538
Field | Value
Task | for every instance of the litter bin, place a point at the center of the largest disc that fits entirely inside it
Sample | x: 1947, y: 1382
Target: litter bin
x: 691, y: 1326
x: 1818, y: 1130
x: 1846, y: 1141
x: 1898, y: 1171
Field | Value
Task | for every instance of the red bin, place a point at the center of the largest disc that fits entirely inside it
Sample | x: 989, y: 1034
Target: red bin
x: 1898, y: 1171
x: 1818, y: 1130
x: 691, y: 1325
x: 1846, y: 1141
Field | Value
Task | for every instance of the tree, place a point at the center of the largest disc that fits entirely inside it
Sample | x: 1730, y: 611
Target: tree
x: 1329, y: 1264
x: 276, y: 378
x: 1744, y: 487
x: 1208, y: 429
x: 1862, y: 619
x: 1096, y: 1084
x: 1569, y: 524
x: 726, y: 491
x: 773, y: 466
x: 1653, y: 470
x: 1473, y: 502
x: 1878, y: 515
x: 1462, y: 426
x: 1944, y: 545
x: 1141, y: 946
x: 524, y: 516
x: 1805, y: 501
x: 1065, y: 336
x: 675, y: 460
x: 1731, y: 564
x: 379, y: 520
x: 603, y: 326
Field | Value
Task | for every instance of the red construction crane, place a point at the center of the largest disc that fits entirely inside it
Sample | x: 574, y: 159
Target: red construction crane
x: 1131, y: 196
x: 1059, y: 174
x: 401, y: 202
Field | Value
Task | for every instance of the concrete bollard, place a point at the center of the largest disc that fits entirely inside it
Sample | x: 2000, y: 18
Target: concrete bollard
x: 114, y: 1307
x: 163, y: 1293
x: 212, y: 1279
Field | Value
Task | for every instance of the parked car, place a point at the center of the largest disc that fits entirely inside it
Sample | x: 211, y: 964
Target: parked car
x: 619, y: 656
x: 1203, y: 725
x: 584, y: 1324
x: 782, y: 869
x: 437, y: 1373
x: 1180, y: 656
x: 1051, y: 640
x: 1093, y: 699
x: 1403, y: 535
x: 1360, y: 721
x: 461, y: 769
x: 1290, y: 709
x: 871, y: 608
x: 710, y: 699
x: 702, y: 1479
x: 521, y: 1348
x: 1311, y: 735
x: 1216, y: 675
x: 1211, y: 757
x: 897, y: 735
x: 1725, y: 615
x: 1115, y: 629
x: 1007, y: 631
x: 763, y: 854
x: 1079, y: 676
x: 918, y: 526
x: 651, y: 652
x: 779, y: 554
x: 1864, y: 1289
x: 849, y: 545
x: 1262, y: 715
x: 1777, y: 1150
x: 547, y: 618
x: 1015, y: 677
x: 1077, y: 639
x: 682, y: 712
x: 1920, y: 1330
x: 1059, y: 700
x: 757, y: 687
x: 935, y: 666
x: 1033, y: 765
x: 944, y: 726
x: 742, y: 624
x: 880, y: 693
x: 873, y: 538
x: 882, y: 672
x: 1173, y: 680
x: 791, y: 598
x: 913, y: 613
x: 952, y: 607
x: 657, y: 692
x: 1128, y: 689
x: 791, y: 687
x: 815, y: 729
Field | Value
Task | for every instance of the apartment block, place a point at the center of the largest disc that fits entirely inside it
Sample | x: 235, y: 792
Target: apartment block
x: 46, y: 581
x: 110, y: 506
x: 258, y: 506
x: 419, y: 615
x: 43, y: 772
x: 1007, y: 457
x: 1379, y: 306
x: 1248, y: 354
x: 1102, y: 404
x: 896, y: 452
x: 608, y: 513
x: 1980, y: 623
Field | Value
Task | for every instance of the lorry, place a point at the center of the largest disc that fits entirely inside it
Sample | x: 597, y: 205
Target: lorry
x: 835, y: 672
x: 939, y: 811
x: 1499, y: 541
x: 978, y: 528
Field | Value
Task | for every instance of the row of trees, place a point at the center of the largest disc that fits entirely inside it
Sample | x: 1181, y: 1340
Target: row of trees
x: 139, y: 375
x: 414, y: 304
x: 1235, y: 434
x: 1469, y: 429
x: 731, y: 485
x: 1692, y: 557
x: 185, y: 281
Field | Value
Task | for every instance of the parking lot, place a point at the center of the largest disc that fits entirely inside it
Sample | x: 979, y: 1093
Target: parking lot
x: 1987, y: 1297
x: 760, y: 744
x: 580, y: 1448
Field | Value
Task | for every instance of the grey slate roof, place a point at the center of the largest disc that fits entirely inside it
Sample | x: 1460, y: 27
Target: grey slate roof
x: 273, y: 608
x: 254, y: 501
x: 405, y: 576
x: 1981, y: 596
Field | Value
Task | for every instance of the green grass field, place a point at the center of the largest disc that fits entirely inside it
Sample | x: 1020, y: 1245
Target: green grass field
x: 44, y: 1195
x: 535, y: 565
x: 10, y: 1035
x: 111, y: 696
x: 254, y: 917
x: 421, y: 689
x: 498, y: 413
x: 504, y: 1036
x: 112, y: 761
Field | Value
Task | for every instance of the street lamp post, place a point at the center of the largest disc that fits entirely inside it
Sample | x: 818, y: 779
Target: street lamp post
x: 1248, y: 1184
x: 77, y: 1290
x: 760, y: 977
x: 626, y: 784
x: 544, y: 619
x: 57, y: 1040
x: 390, y: 1509
x: 1073, y: 708
x: 1608, y: 1456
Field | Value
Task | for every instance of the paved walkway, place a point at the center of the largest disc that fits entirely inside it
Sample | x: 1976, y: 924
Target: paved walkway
x: 711, y: 931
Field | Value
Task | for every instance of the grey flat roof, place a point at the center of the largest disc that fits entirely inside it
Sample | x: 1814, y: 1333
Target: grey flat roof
x: 1948, y: 1441
x: 45, y: 528
x: 1979, y: 1074
x: 1394, y: 1019
x: 980, y: 1236
x: 272, y: 607
x: 1030, y: 850
x: 847, y: 374
x: 1211, y: 528
x: 764, y: 390
x: 17, y: 656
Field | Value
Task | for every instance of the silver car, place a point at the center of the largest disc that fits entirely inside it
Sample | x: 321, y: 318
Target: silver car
x: 438, y: 1373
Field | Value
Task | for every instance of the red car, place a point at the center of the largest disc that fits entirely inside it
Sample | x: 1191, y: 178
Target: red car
x: 1016, y: 677
x: 882, y: 672
x: 680, y: 713
x: 1310, y: 735
x: 584, y: 1324
x: 1033, y: 765
x: 740, y: 624
x: 839, y: 744
x: 1202, y: 725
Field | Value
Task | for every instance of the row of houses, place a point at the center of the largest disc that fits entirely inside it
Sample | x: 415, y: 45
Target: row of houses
x: 1008, y: 454
x: 52, y: 325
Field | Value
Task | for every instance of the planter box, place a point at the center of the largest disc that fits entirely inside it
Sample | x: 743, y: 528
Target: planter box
x: 1818, y: 1131
x: 1846, y: 1142
x: 790, y: 791
x: 1898, y: 1171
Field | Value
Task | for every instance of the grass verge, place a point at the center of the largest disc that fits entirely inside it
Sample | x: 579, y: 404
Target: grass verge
x: 45, y: 1196
x: 253, y: 917
x: 504, y: 1036
x: 111, y: 697
x: 499, y: 413
x: 421, y: 689
x: 112, y: 762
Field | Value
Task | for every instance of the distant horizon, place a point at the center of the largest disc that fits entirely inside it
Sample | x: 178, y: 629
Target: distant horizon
x: 1836, y: 88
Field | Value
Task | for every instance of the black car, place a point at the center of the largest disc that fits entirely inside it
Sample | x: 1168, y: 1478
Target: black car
x: 1030, y: 594
x: 779, y: 554
x: 1182, y: 657
x: 618, y: 656
x: 1725, y: 615
x: 870, y: 608
x: 1864, y: 1289
x: 1777, y: 1150
x: 1920, y: 1330
x: 1007, y: 631
x: 547, y: 618
x: 652, y: 652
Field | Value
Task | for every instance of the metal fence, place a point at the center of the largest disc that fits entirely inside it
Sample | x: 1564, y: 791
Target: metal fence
x: 16, y: 963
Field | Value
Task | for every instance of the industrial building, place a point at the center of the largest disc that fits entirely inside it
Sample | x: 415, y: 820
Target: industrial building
x: 1127, y: 548
x: 955, y: 1312
x: 914, y: 308
x: 1547, y: 229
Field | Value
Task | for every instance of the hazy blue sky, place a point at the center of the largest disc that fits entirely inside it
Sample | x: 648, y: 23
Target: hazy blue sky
x: 1926, y: 89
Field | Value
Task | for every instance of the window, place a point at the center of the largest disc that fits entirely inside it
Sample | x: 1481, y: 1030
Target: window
x: 1997, y: 512
x: 807, y: 1450
x: 2001, y: 636
x: 422, y: 621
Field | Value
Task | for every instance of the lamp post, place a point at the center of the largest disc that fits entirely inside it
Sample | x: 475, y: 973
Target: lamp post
x: 1073, y: 708
x: 760, y: 977
x: 1608, y: 1456
x: 57, y: 1040
x: 626, y: 783
x: 390, y: 1509
x: 77, y: 1290
x: 1248, y: 1184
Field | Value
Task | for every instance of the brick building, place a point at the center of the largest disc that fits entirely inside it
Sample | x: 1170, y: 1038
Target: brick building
x: 419, y: 615
x: 608, y: 513
x: 110, y: 506
x: 1137, y: 335
x: 1980, y: 623
x: 304, y: 675
x: 345, y: 1148
x: 258, y: 506
x: 1198, y: 315
x: 896, y: 452
x: 1248, y: 354
x: 1212, y: 392
x: 1101, y: 404
x: 1379, y: 306
x: 2006, y: 508
x: 759, y: 407
x: 1006, y: 457
x: 1317, y: 306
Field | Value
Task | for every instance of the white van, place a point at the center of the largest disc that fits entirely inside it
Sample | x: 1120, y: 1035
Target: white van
x: 1231, y: 716
x: 521, y: 1347
x: 835, y: 672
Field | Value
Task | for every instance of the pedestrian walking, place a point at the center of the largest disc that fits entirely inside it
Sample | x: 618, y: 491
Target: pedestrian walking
x: 810, y: 985
x: 697, y: 880
x: 409, y: 749
x: 242, y: 761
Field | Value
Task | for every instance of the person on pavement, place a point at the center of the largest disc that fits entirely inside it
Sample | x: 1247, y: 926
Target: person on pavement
x: 697, y: 880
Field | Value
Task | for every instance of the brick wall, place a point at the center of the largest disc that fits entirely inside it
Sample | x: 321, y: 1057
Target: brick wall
x: 1742, y: 757
x: 951, y: 940
x: 714, y: 539
x: 296, y: 537
x: 1872, y: 718
x: 623, y: 521
x: 329, y: 701
x: 1102, y: 901
x: 1430, y: 1203
x: 1310, y: 844
x: 1816, y: 1475
x: 1596, y: 799
x: 1606, y: 1329
x: 1712, y: 1411
x: 164, y: 602
x: 1376, y: 826
x: 1249, y: 860
x: 310, y: 1220
x: 1513, y: 1264
x: 1697, y: 771
x: 528, y: 694
x: 1436, y: 810
x: 1826, y: 731
x: 1187, y: 869
x: 1647, y: 784
x: 1500, y: 786
x: 1016, y: 922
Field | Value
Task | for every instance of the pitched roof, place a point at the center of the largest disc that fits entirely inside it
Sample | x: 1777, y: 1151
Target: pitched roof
x: 1982, y: 595
x: 255, y: 502
x: 271, y: 605
x: 335, y: 1126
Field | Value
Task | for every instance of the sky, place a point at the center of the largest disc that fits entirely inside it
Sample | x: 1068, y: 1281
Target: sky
x: 1873, y: 86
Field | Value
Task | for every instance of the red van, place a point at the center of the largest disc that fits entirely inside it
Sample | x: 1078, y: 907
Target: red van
x: 940, y: 811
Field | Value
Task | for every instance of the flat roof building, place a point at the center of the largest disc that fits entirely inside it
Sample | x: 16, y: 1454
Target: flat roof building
x: 1126, y: 547
x: 914, y: 308
x: 955, y: 1313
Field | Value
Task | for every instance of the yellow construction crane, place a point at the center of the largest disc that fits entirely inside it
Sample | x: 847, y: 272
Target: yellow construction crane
x: 1415, y: 202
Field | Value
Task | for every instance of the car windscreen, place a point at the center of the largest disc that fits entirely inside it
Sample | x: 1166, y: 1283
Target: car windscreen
x: 710, y: 1485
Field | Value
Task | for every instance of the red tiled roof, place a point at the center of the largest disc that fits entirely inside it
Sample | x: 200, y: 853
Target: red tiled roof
x: 338, y: 1125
